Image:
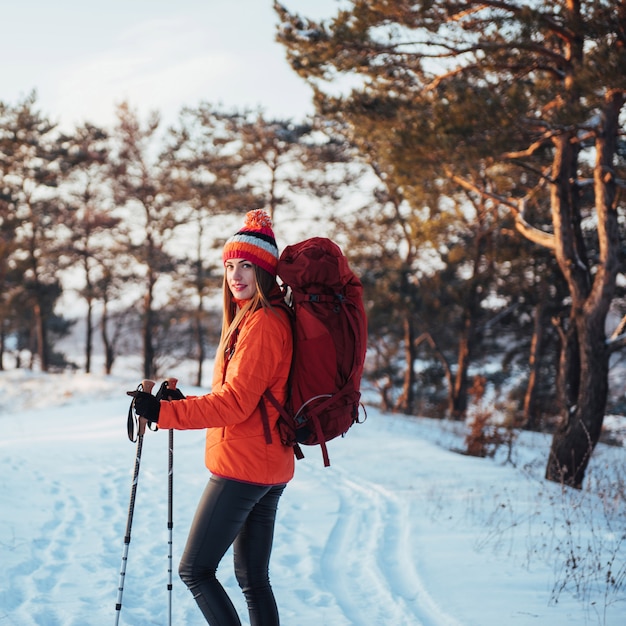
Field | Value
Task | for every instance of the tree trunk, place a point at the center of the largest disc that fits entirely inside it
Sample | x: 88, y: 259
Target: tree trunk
x: 407, y: 398
x: 200, y: 278
x: 148, y: 329
x: 458, y: 394
x: 568, y: 376
x: 458, y: 397
x: 109, y: 355
x: 581, y: 425
x: 531, y: 421
x: 200, y: 344
x: 89, y: 336
x: 40, y: 335
x: 580, y: 428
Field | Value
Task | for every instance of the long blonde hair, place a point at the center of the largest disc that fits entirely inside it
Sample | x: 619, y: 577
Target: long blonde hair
x: 233, y: 314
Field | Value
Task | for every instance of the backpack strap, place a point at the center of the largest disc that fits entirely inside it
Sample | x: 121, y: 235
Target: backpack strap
x: 320, y: 437
x: 297, y: 450
x: 267, y: 431
x: 314, y: 297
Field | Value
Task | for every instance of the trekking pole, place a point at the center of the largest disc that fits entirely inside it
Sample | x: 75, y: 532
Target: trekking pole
x: 145, y: 385
x: 171, y: 384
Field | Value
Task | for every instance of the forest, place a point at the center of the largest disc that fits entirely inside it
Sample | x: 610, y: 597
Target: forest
x: 469, y: 158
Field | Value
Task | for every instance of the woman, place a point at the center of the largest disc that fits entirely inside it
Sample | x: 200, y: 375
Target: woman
x: 249, y: 465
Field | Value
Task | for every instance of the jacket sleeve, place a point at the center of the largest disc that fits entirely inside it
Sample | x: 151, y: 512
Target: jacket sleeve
x: 262, y: 346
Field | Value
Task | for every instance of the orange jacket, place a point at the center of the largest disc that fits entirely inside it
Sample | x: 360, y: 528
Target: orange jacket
x: 236, y: 446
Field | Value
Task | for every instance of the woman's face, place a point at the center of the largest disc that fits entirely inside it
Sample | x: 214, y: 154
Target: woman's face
x: 240, y: 278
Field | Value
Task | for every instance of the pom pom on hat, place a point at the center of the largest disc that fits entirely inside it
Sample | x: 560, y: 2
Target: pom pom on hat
x: 255, y: 242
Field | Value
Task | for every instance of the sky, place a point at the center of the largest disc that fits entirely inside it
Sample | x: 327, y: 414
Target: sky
x: 400, y: 530
x: 82, y: 58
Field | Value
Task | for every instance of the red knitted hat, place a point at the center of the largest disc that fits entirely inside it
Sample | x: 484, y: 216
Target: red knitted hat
x: 255, y: 242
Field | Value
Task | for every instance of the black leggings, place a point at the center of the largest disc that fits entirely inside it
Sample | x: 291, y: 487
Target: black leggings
x: 231, y: 511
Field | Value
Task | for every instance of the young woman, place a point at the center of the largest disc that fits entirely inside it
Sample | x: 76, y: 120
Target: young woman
x: 249, y: 465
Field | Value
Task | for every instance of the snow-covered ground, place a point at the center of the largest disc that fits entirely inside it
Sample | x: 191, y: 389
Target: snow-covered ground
x: 399, y: 531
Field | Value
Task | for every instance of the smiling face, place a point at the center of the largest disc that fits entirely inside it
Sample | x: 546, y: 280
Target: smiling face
x: 240, y: 278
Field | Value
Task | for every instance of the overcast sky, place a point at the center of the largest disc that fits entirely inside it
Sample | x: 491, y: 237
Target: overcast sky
x: 84, y: 57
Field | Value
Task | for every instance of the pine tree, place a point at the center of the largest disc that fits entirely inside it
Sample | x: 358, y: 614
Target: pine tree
x: 35, y: 216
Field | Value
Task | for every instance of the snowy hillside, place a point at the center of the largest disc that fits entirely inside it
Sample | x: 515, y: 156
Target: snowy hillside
x: 399, y: 531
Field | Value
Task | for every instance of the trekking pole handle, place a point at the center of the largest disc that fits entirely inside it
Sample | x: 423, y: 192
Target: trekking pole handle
x: 146, y: 385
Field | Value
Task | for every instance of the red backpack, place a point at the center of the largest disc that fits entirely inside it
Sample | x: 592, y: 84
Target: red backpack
x: 330, y: 337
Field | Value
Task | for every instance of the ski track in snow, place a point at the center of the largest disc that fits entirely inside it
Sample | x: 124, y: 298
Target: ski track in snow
x: 366, y: 560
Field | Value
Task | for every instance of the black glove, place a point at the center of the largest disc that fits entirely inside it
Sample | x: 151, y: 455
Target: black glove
x: 165, y: 393
x: 146, y: 405
x: 173, y: 394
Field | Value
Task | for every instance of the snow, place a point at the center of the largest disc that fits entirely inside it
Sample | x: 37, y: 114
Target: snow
x: 401, y: 530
